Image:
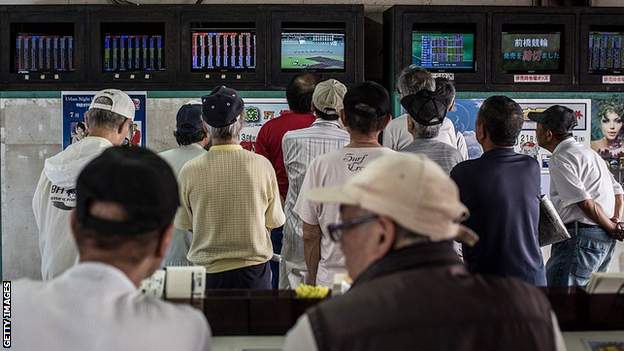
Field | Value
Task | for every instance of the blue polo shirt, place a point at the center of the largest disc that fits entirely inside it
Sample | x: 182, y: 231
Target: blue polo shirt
x: 501, y: 189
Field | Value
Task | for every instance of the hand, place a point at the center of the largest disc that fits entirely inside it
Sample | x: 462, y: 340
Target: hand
x: 615, y: 219
x: 618, y: 232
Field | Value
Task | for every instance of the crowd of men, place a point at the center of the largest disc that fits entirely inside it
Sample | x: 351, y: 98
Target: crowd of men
x: 335, y: 186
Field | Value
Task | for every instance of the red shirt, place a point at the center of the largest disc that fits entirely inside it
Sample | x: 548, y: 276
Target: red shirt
x: 269, y: 142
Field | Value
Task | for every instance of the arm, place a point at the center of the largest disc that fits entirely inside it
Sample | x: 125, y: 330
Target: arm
x: 274, y: 216
x: 312, y: 250
x: 594, y: 211
x: 184, y: 217
x: 617, y: 215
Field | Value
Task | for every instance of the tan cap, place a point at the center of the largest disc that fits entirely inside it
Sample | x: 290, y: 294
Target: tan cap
x: 122, y: 104
x: 412, y: 190
x: 328, y: 95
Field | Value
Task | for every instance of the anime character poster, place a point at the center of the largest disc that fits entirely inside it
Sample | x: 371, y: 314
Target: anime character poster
x: 257, y: 112
x: 74, y: 105
x: 607, y: 134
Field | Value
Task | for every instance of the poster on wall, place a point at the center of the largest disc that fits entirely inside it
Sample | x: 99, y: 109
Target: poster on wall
x: 607, y: 134
x: 257, y: 112
x: 464, y: 117
x: 74, y: 105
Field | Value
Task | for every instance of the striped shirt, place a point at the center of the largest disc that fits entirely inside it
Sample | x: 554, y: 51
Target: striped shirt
x: 441, y: 153
x: 300, y: 147
x: 229, y: 198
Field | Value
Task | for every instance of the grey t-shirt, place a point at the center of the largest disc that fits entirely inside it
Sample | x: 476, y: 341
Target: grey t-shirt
x: 441, y: 153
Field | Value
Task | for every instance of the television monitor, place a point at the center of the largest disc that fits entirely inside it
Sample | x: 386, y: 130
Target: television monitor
x: 313, y: 50
x: 531, y: 52
x: 444, y: 51
x: 43, y: 48
x: 133, y: 47
x: 606, y: 52
x: 223, y: 50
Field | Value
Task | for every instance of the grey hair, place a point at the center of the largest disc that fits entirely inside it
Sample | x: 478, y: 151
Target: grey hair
x: 425, y: 132
x: 98, y: 118
x: 414, y: 78
x: 229, y: 132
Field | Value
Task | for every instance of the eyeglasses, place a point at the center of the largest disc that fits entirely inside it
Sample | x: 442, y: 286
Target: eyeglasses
x: 336, y: 230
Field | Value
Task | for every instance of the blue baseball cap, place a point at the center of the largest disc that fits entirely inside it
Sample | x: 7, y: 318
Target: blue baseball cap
x: 221, y: 108
x: 189, y: 117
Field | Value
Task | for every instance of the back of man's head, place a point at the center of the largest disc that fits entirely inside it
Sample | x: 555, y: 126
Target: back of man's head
x: 109, y: 109
x: 445, y: 90
x: 126, y: 199
x: 299, y: 92
x: 327, y: 99
x: 366, y: 107
x: 413, y: 79
x: 502, y: 119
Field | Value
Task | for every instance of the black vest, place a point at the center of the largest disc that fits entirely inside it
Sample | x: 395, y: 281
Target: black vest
x: 422, y: 298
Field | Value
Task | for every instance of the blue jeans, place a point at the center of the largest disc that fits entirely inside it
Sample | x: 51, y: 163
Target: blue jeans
x: 573, y: 261
x: 276, y: 239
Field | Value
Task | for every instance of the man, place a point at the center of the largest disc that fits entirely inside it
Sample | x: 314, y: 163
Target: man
x: 446, y: 90
x: 229, y: 200
x: 366, y: 113
x: 411, y: 80
x: 426, y: 111
x: 502, y: 191
x: 191, y: 137
x: 126, y: 201
x: 108, y: 119
x: 269, y: 141
x: 300, y: 148
x: 586, y: 196
x: 410, y: 290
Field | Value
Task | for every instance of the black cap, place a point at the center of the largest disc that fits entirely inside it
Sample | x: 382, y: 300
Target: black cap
x: 221, y: 107
x: 137, y: 179
x: 556, y: 118
x: 189, y: 118
x: 426, y: 107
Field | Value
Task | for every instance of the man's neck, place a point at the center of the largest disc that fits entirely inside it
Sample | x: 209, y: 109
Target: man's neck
x: 553, y: 145
x: 230, y: 141
x: 136, y: 273
x: 100, y: 133
x: 364, y: 140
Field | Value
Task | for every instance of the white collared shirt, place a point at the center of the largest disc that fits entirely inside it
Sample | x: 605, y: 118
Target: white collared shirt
x: 179, y: 156
x: 300, y: 148
x: 94, y: 306
x: 578, y: 173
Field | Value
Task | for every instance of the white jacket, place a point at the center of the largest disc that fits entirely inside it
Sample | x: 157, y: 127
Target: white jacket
x: 54, y: 199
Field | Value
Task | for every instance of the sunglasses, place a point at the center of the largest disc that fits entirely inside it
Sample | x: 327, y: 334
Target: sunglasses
x: 336, y: 230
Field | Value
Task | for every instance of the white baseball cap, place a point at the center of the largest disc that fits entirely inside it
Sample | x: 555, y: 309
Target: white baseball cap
x: 410, y: 189
x: 328, y: 96
x: 122, y: 104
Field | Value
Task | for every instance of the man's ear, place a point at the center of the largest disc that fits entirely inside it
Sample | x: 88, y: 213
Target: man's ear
x: 343, y: 118
x: 386, y: 236
x: 386, y: 120
x: 410, y: 125
x: 165, y: 242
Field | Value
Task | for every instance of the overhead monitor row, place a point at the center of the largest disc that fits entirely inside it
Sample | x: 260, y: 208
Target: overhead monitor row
x: 255, y: 46
x: 493, y: 46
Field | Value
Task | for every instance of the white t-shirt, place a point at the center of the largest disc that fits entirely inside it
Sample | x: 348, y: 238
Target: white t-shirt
x: 578, y: 173
x: 396, y: 136
x: 331, y: 169
x: 94, y: 306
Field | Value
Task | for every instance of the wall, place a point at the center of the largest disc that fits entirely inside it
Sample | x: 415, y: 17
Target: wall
x: 30, y: 132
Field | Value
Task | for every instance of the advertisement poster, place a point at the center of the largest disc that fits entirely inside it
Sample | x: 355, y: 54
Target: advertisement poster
x: 607, y: 134
x: 257, y: 112
x: 464, y: 117
x: 74, y: 105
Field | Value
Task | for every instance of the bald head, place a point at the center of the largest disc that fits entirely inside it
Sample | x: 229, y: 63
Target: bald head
x: 299, y: 92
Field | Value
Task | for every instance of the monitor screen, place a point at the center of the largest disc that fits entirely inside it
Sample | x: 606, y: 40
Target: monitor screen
x: 525, y: 52
x: 443, y: 51
x: 606, y: 52
x: 133, y: 46
x: 314, y: 50
x: 219, y: 50
x: 37, y: 52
